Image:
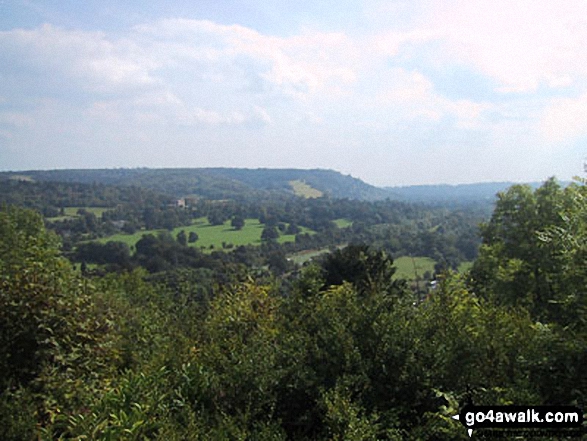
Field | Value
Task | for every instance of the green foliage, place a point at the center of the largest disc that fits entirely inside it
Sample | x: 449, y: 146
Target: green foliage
x: 240, y: 332
x: 533, y: 252
x: 237, y: 222
x: 476, y: 346
x: 134, y: 407
x: 366, y: 269
x: 17, y: 414
x: 48, y: 319
x: 55, y: 338
x: 30, y: 280
x: 339, y: 351
x: 269, y: 233
x: 345, y: 419
x: 182, y: 238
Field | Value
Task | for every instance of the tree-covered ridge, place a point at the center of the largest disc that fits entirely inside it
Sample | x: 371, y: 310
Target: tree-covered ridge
x: 215, y: 183
x: 340, y: 350
x: 51, y: 197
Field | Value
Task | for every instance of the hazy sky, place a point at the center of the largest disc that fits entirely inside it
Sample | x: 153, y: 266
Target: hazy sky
x: 392, y: 92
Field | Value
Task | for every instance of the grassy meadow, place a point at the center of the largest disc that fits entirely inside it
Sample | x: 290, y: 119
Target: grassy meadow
x: 300, y: 188
x: 342, y: 223
x: 71, y: 212
x: 407, y: 267
x: 406, y: 270
x: 211, y: 235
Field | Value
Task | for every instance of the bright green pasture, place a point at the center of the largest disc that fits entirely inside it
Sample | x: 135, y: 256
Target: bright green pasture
x: 216, y: 234
x: 405, y: 267
x: 343, y: 223
x: 71, y: 212
x: 97, y: 211
x: 465, y: 266
x: 211, y: 235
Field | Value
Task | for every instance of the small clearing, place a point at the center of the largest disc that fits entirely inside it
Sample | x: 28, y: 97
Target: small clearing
x: 300, y: 188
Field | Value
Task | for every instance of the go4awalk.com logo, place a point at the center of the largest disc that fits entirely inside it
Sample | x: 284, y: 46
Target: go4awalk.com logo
x: 552, y: 418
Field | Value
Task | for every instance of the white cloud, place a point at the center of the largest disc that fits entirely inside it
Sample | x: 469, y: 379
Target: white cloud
x: 167, y: 78
x: 16, y: 119
x: 262, y: 115
x: 414, y: 95
x: 389, y: 43
x: 89, y: 58
x: 299, y: 66
x: 522, y: 44
x: 565, y: 120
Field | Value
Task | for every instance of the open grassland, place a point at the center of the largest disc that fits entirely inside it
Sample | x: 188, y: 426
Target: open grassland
x: 407, y: 267
x: 129, y: 239
x: 300, y: 188
x: 97, y: 211
x: 343, y: 223
x: 211, y: 235
x: 465, y: 266
x: 406, y: 270
x: 71, y: 212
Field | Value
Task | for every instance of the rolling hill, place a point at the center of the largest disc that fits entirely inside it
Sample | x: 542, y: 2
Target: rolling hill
x: 215, y: 183
x: 246, y: 184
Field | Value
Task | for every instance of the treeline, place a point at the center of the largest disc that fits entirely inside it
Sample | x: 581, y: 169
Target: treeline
x: 50, y: 198
x: 340, y: 350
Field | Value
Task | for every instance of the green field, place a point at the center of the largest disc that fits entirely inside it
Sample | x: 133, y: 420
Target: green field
x: 342, y: 223
x: 211, y: 235
x: 97, y: 211
x: 304, y: 256
x: 405, y: 266
x: 465, y: 266
x: 406, y: 270
x: 71, y: 212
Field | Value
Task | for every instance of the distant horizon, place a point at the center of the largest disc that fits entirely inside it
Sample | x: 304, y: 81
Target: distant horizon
x: 395, y: 93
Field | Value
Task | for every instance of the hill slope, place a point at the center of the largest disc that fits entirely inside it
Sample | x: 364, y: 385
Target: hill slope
x: 215, y: 183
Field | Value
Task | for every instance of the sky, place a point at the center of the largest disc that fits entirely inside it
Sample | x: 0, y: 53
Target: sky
x: 394, y: 92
